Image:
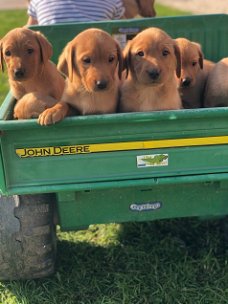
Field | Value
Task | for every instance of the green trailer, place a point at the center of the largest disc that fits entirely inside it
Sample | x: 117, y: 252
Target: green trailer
x: 110, y: 168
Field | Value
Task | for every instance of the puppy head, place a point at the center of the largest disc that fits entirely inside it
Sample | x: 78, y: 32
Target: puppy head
x: 91, y: 59
x: 192, y: 61
x: 25, y: 52
x: 152, y: 57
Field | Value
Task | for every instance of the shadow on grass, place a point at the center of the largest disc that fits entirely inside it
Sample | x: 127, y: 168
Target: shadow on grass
x: 159, y: 262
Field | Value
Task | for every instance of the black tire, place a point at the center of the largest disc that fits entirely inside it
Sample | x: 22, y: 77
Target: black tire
x: 224, y: 228
x: 27, y: 236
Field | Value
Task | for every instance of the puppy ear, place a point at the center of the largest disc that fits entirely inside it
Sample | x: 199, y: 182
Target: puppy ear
x: 66, y: 61
x: 45, y: 47
x: 120, y: 60
x: 62, y: 63
x: 178, y: 59
x: 127, y: 57
x: 201, y: 56
x: 201, y: 59
x: 1, y: 56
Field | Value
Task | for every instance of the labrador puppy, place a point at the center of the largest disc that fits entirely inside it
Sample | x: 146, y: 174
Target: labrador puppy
x: 153, y: 63
x: 92, y: 63
x: 27, y: 54
x: 194, y: 73
x: 216, y: 91
x: 144, y: 8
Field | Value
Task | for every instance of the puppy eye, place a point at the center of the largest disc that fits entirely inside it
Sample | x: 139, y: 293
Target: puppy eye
x: 194, y: 63
x: 140, y: 53
x: 7, y: 53
x: 111, y: 58
x: 30, y: 51
x: 165, y: 53
x: 86, y: 60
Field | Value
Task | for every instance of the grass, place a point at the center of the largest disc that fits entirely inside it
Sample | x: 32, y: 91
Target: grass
x: 182, y: 261
x: 164, y: 11
x: 9, y: 20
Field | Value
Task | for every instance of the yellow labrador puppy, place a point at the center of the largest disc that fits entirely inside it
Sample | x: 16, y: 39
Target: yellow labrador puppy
x: 27, y: 56
x: 216, y: 92
x: 92, y: 62
x: 153, y: 63
x: 194, y: 73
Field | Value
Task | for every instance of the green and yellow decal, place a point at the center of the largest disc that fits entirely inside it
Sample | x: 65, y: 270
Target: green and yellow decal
x: 119, y: 146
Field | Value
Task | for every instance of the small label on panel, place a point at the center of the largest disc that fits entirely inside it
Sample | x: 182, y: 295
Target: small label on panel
x: 149, y: 206
x: 153, y: 160
x: 121, y: 38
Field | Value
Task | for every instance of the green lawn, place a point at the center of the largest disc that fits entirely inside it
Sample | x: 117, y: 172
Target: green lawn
x: 164, y: 262
x: 163, y: 11
x: 181, y: 261
x: 9, y: 20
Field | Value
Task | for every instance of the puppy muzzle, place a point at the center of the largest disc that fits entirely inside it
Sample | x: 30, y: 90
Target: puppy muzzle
x: 154, y: 75
x: 19, y: 73
x: 101, y: 85
x: 186, y: 82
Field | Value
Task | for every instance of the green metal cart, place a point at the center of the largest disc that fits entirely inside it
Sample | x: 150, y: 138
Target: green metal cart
x: 109, y: 168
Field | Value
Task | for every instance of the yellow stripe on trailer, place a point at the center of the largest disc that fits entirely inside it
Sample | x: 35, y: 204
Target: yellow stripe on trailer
x: 120, y: 146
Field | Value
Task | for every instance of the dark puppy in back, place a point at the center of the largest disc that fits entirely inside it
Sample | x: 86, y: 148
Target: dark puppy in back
x: 194, y: 73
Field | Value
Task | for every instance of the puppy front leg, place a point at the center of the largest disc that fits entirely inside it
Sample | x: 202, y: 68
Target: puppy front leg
x: 31, y: 105
x: 52, y: 115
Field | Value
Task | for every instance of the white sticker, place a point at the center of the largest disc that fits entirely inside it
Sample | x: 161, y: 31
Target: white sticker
x: 149, y: 206
x: 153, y: 160
x: 121, y: 38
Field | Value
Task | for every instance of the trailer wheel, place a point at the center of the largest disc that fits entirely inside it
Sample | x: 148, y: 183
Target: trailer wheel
x: 27, y: 236
x: 224, y: 226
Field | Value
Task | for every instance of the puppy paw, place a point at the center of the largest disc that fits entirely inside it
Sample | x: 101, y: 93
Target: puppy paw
x: 49, y: 117
x: 53, y: 115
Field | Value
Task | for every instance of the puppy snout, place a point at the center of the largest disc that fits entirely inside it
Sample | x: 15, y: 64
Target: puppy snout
x: 186, y: 82
x: 19, y: 73
x: 154, y: 73
x: 101, y: 84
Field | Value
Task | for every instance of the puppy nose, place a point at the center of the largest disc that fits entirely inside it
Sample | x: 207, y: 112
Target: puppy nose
x: 153, y: 74
x: 185, y: 82
x: 101, y: 84
x: 19, y: 73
